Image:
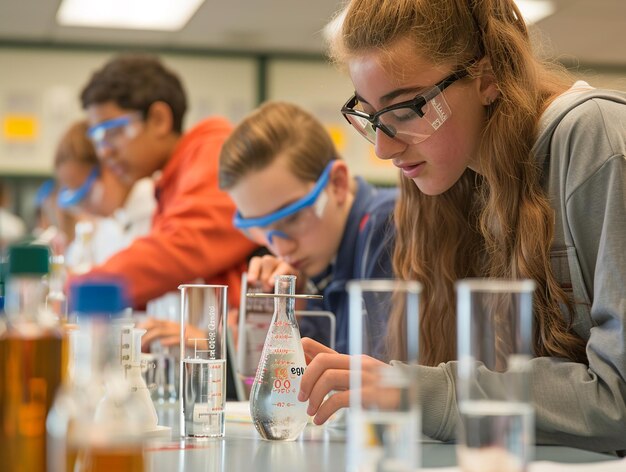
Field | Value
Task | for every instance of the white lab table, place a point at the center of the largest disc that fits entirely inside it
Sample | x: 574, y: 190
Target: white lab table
x: 319, y: 449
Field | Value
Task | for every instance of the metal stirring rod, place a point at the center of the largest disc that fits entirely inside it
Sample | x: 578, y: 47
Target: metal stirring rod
x: 282, y: 295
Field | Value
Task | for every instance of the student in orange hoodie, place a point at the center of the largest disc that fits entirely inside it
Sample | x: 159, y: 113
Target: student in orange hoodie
x: 135, y: 108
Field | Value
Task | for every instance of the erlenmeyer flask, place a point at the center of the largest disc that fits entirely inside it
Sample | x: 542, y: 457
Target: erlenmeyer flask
x: 276, y: 412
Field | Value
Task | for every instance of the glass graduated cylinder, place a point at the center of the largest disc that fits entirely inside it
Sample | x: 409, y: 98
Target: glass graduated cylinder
x: 276, y: 412
x: 204, y: 393
x: 497, y: 436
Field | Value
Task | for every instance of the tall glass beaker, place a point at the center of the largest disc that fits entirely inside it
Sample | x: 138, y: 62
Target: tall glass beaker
x: 494, y: 319
x: 384, y: 417
x: 204, y: 311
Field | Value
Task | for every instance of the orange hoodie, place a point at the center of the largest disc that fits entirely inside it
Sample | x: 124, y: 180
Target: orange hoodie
x: 192, y: 235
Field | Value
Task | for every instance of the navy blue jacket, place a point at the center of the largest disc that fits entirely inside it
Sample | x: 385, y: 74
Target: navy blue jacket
x: 365, y: 252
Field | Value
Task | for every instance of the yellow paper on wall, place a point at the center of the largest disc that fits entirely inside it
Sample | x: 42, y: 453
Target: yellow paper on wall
x: 20, y: 127
x: 338, y: 136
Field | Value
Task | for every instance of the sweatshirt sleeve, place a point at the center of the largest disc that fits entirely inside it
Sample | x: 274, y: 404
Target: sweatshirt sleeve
x: 575, y: 404
x: 192, y: 237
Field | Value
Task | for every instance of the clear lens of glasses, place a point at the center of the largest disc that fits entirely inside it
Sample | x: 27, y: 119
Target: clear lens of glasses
x: 405, y: 123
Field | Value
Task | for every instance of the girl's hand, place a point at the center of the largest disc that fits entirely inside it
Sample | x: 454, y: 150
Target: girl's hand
x: 329, y: 371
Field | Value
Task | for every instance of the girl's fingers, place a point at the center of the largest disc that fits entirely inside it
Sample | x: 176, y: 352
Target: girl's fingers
x: 312, y: 348
x: 334, y: 402
x: 331, y: 379
x: 321, y: 363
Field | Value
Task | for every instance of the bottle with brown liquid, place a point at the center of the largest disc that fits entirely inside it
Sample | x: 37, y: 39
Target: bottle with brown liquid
x: 32, y: 360
x: 96, y: 423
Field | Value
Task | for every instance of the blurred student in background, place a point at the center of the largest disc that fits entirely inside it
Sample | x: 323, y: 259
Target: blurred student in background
x: 118, y: 212
x: 296, y: 196
x: 135, y: 108
x: 45, y: 213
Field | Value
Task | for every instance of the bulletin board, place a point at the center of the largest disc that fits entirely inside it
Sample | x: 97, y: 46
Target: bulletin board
x: 39, y: 97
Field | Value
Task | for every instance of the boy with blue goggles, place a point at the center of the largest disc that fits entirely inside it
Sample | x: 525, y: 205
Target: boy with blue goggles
x: 290, y: 221
x: 103, y: 134
x: 68, y: 197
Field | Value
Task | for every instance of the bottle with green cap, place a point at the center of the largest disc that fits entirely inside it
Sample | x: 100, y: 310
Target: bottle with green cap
x: 32, y: 359
x: 97, y: 423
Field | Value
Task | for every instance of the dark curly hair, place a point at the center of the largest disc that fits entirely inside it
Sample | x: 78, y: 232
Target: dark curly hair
x: 135, y: 82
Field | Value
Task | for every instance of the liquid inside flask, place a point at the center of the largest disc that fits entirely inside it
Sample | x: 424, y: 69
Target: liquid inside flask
x: 276, y: 412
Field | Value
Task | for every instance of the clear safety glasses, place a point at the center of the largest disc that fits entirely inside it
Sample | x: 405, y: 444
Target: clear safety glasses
x: 412, y: 121
x: 290, y: 221
x: 106, y: 133
x: 68, y: 197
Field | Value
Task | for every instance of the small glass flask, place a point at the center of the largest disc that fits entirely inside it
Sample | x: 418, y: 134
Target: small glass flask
x: 276, y: 412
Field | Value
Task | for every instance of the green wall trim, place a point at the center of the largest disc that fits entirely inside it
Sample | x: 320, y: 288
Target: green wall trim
x: 261, y: 81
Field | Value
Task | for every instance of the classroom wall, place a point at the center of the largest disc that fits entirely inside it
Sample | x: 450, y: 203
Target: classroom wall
x: 323, y: 89
x: 40, y: 86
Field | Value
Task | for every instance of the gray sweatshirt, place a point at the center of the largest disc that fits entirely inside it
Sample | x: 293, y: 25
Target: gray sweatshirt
x: 582, y: 148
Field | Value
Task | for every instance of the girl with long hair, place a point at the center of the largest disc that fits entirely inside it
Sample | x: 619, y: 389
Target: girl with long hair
x: 508, y: 171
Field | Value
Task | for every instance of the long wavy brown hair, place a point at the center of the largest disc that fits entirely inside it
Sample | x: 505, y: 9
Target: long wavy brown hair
x: 499, y: 223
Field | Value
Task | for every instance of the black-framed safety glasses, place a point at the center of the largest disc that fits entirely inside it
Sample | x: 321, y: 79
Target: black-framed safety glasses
x: 412, y: 121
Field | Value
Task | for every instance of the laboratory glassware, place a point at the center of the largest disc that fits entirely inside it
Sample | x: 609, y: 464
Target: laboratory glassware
x: 384, y: 417
x: 56, y: 301
x: 163, y: 361
x: 276, y: 411
x: 204, y: 311
x: 97, y: 423
x: 32, y: 360
x: 494, y: 324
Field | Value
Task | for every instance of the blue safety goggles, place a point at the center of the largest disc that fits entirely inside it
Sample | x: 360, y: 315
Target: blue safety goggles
x: 43, y: 192
x: 100, y: 133
x: 305, y: 202
x: 67, y: 197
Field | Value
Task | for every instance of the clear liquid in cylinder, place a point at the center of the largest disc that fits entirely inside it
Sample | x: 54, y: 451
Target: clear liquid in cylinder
x: 31, y: 370
x: 276, y: 412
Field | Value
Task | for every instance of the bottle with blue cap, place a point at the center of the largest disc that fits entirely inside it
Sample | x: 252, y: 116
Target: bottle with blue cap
x: 32, y: 360
x: 97, y: 423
